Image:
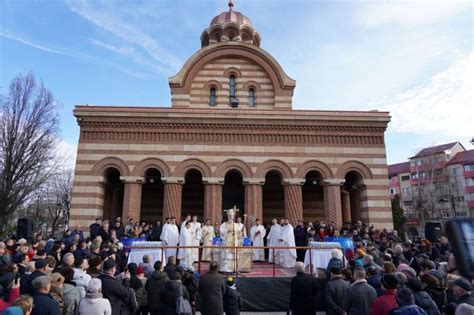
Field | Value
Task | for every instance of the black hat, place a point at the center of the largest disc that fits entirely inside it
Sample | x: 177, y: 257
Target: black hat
x: 463, y: 284
x: 78, y: 261
x: 415, y: 285
x: 109, y: 264
x: 41, y: 263
x: 389, y: 281
x: 336, y: 271
x: 7, y: 279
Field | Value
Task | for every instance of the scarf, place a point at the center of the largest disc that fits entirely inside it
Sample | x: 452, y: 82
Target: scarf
x: 93, y: 295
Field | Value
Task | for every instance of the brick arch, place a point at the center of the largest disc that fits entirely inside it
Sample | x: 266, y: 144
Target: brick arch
x: 181, y: 169
x: 213, y: 83
x: 274, y: 165
x: 234, y: 71
x: 314, y: 165
x: 359, y: 167
x: 252, y: 84
x: 236, y: 164
x: 144, y: 165
x: 100, y: 167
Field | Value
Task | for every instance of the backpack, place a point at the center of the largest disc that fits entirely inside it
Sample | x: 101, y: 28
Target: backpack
x: 183, y: 307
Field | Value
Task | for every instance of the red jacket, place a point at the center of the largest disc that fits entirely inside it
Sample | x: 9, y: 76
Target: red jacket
x: 14, y: 294
x: 384, y: 304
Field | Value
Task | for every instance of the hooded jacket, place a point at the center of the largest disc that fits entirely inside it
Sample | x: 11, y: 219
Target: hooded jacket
x: 94, y: 304
x: 423, y: 300
x: 154, y: 286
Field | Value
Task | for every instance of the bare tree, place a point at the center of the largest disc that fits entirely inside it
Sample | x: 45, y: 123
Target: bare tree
x: 58, y: 191
x: 28, y: 137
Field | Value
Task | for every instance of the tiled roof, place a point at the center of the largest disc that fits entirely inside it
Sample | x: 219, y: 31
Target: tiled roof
x: 436, y: 149
x: 398, y: 168
x: 464, y: 157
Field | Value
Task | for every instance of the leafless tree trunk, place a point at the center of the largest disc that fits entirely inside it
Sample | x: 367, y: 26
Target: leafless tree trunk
x: 28, y: 137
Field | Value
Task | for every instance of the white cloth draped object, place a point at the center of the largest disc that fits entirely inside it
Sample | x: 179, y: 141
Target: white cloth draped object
x: 321, y: 253
x: 139, y: 249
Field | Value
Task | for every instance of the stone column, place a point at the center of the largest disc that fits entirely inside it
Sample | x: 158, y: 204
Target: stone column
x: 213, y: 198
x: 132, y: 197
x: 172, y: 197
x: 253, y: 199
x: 332, y: 200
x: 346, y: 205
x: 293, y: 199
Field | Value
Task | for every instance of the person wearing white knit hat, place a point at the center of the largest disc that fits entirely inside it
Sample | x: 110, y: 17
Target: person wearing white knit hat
x: 94, y: 303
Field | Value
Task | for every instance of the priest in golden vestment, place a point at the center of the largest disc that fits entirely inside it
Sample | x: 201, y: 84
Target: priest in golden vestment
x: 231, y: 236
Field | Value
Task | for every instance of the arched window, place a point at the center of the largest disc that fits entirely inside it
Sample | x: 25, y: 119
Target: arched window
x: 251, y: 97
x: 212, y: 97
x: 232, y: 86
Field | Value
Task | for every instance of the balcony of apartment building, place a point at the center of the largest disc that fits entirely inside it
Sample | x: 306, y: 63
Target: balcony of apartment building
x: 420, y: 165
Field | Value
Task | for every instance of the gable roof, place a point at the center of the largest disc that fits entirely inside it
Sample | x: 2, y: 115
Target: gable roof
x: 436, y: 149
x: 464, y: 157
x: 398, y: 168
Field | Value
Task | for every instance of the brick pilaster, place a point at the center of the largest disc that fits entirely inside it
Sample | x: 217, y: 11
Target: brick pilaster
x: 293, y: 199
x: 332, y: 200
x: 172, y: 197
x: 132, y: 197
x: 253, y: 199
x: 213, y: 198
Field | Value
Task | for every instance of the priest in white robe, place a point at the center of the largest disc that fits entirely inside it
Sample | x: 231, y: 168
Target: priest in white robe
x: 196, y: 234
x: 257, y: 233
x: 170, y: 237
x: 185, y: 255
x: 241, y: 226
x: 273, y: 239
x: 287, y: 257
x: 207, y: 238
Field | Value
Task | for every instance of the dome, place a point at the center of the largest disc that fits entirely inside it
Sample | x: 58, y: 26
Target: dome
x: 230, y: 26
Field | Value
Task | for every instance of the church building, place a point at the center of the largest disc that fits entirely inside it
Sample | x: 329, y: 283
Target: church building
x: 231, y: 138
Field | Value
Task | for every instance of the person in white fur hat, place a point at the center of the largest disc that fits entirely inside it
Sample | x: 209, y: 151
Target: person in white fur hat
x: 93, y: 303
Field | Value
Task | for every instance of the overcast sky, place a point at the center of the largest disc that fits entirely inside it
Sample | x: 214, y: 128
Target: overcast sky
x: 412, y: 58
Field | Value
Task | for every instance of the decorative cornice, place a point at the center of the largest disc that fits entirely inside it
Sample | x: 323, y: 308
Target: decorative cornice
x: 132, y: 179
x: 253, y: 181
x: 293, y: 181
x: 213, y: 180
x: 334, y: 181
x: 172, y: 180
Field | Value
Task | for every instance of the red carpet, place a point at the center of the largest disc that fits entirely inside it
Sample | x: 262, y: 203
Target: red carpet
x: 259, y: 269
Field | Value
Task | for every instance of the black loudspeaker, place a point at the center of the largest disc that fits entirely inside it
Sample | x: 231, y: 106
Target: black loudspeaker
x: 433, y: 231
x: 24, y: 228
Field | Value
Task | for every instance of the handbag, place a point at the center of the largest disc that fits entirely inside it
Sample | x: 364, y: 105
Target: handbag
x: 182, y: 305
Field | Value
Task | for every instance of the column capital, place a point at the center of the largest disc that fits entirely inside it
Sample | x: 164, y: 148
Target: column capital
x: 293, y: 181
x: 132, y: 179
x: 213, y: 180
x: 253, y: 181
x: 333, y: 181
x: 172, y: 180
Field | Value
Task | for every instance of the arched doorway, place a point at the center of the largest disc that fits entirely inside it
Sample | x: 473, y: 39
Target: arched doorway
x: 273, y: 197
x: 313, y: 197
x: 113, y: 195
x: 193, y: 194
x: 233, y: 192
x: 152, y: 196
x: 350, y: 194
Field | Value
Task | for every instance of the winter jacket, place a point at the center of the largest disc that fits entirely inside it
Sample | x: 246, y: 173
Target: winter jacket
x: 361, y: 296
x: 232, y: 301
x: 337, y: 291
x: 375, y: 282
x: 384, y: 304
x: 148, y: 268
x: 25, y: 282
x: 468, y: 299
x: 423, y: 300
x: 121, y: 297
x: 408, y: 310
x: 171, y: 291
x: 333, y: 263
x: 438, y: 296
x: 211, y: 291
x: 81, y: 278
x: 14, y: 294
x: 141, y: 294
x: 71, y: 297
x: 44, y: 305
x: 154, y: 286
x: 57, y: 295
x: 94, y: 304
x: 302, y: 294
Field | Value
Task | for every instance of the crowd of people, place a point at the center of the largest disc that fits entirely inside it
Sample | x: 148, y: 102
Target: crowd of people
x: 380, y: 274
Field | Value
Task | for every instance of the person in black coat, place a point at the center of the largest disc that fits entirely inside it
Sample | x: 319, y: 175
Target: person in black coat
x: 41, y: 267
x: 171, y: 267
x: 303, y: 292
x: 211, y: 291
x: 44, y: 304
x: 337, y: 290
x: 301, y: 239
x: 462, y: 290
x: 94, y: 228
x: 121, y: 297
x: 232, y: 298
x: 172, y: 290
x: 156, y: 232
x: 154, y: 287
x: 320, y: 299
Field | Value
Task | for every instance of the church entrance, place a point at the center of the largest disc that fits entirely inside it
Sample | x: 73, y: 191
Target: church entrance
x: 351, y: 199
x: 193, y: 195
x: 313, y: 197
x: 233, y: 192
x: 273, y: 195
x: 113, y: 195
x: 152, y: 197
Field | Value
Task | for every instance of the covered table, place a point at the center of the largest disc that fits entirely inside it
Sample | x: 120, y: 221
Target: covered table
x: 140, y: 248
x: 320, y: 254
